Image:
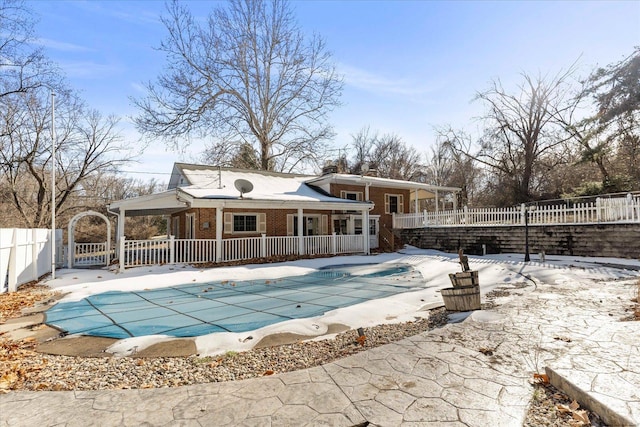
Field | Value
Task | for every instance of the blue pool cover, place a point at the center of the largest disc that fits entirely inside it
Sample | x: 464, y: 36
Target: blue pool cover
x: 229, y: 306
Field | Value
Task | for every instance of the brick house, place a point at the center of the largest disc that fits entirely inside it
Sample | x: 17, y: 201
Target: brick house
x: 207, y: 202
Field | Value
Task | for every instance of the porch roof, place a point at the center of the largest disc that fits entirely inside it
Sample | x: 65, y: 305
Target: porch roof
x: 164, y: 203
x: 340, y: 178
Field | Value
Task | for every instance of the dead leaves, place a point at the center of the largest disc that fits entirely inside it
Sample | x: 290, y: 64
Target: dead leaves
x: 13, y: 371
x: 579, y: 417
x: 541, y: 379
x: 12, y: 303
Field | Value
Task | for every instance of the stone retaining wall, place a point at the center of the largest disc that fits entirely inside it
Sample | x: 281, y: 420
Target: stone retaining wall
x: 604, y: 240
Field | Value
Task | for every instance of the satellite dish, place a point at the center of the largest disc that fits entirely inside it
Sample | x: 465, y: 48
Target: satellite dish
x: 243, y: 186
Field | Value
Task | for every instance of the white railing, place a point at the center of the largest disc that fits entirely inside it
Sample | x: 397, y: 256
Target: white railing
x: 602, y: 210
x: 281, y: 246
x: 145, y: 252
x: 348, y: 243
x: 241, y: 248
x: 318, y: 245
x: 25, y: 255
x: 194, y: 251
x: 86, y: 254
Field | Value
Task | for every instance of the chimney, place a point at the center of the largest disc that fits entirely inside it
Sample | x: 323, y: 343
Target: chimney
x: 329, y: 168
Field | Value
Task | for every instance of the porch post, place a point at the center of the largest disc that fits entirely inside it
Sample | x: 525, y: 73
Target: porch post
x: 455, y: 201
x: 219, y: 228
x: 121, y: 217
x: 108, y: 245
x: 437, y: 201
x: 120, y: 237
x: 365, y: 230
x: 121, y: 252
x: 300, y: 232
x: 415, y: 210
x: 333, y: 243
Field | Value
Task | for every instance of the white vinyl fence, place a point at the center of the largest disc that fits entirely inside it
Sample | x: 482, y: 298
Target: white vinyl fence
x: 197, y: 251
x: 25, y: 255
x: 602, y: 210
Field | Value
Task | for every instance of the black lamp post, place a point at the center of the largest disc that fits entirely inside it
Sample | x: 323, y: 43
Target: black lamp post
x: 526, y: 235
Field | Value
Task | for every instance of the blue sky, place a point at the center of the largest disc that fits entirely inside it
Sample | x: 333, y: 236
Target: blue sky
x: 408, y: 65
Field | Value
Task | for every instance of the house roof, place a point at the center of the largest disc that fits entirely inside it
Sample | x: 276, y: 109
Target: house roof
x: 185, y: 174
x: 200, y: 186
x: 209, y: 186
x: 214, y: 183
x: 341, y: 178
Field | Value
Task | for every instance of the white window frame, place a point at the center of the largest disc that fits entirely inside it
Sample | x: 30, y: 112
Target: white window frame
x: 255, y: 216
x: 261, y: 222
x: 387, y: 203
x: 359, y: 195
x: 322, y: 221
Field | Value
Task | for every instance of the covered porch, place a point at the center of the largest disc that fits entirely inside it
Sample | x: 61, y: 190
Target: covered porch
x: 209, y: 229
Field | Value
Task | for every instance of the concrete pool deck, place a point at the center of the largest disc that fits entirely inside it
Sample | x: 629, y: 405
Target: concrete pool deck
x: 473, y: 373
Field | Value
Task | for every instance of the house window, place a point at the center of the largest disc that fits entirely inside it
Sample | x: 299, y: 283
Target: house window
x: 245, y: 222
x: 312, y: 225
x: 175, y: 230
x: 340, y: 226
x: 357, y: 226
x: 351, y: 195
x: 190, y: 226
x: 242, y: 223
x: 393, y: 203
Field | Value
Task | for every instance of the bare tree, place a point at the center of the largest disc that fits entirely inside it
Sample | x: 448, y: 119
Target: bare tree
x: 245, y: 76
x: 450, y: 164
x: 240, y: 155
x: 388, y: 154
x: 520, y: 129
x: 86, y: 144
x: 22, y: 66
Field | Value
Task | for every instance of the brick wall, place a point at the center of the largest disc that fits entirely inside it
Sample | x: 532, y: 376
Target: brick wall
x: 604, y: 240
x: 276, y: 221
x: 376, y: 195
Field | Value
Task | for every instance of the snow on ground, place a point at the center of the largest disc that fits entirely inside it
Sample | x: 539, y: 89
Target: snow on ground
x: 500, y: 270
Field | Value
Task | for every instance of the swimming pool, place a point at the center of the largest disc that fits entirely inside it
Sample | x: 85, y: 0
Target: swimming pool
x: 230, y: 306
